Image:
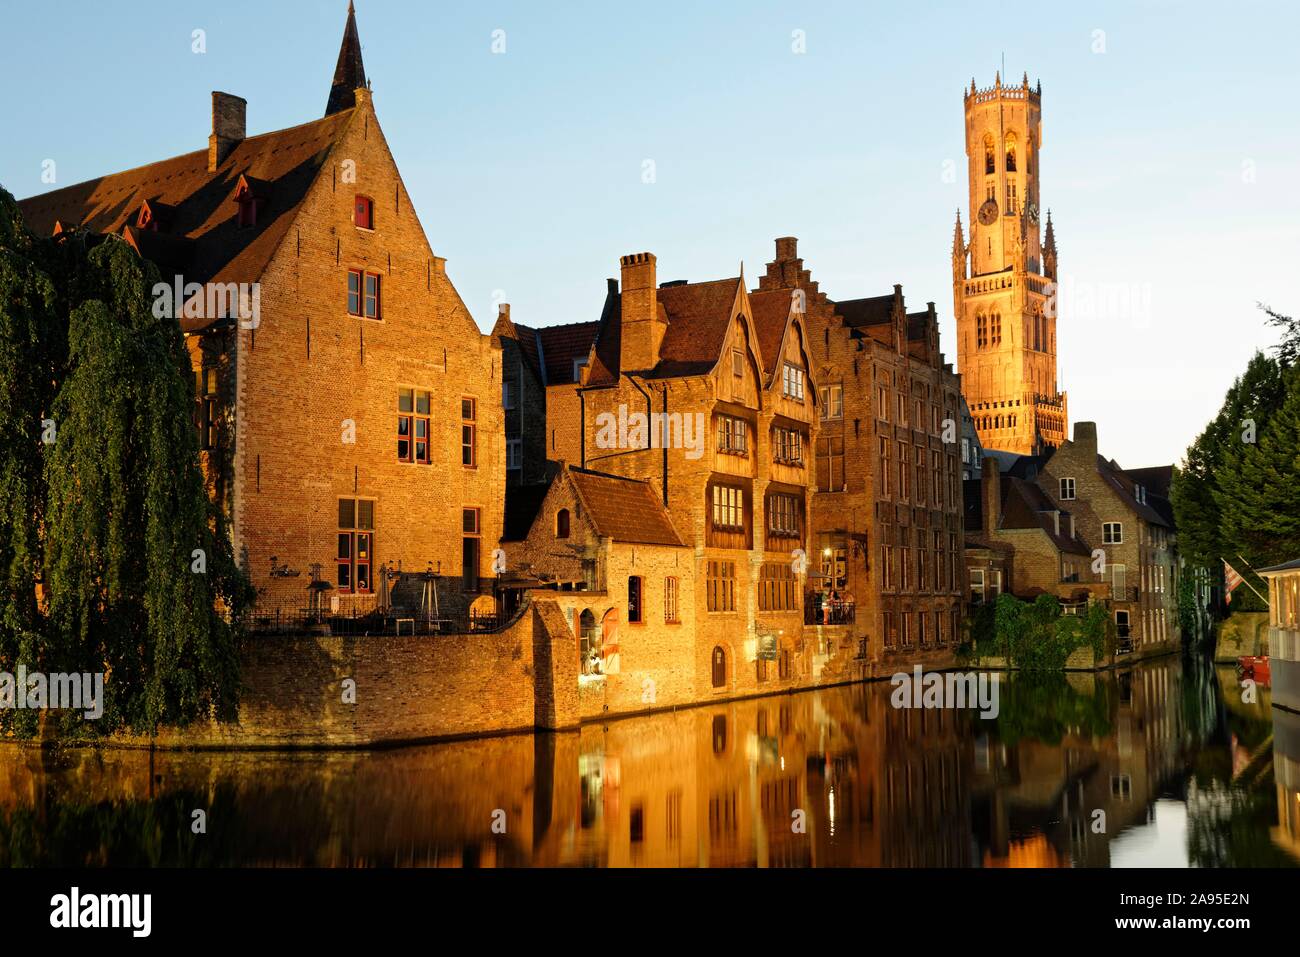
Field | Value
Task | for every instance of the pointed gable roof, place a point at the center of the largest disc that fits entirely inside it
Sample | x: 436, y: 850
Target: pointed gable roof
x: 772, y: 318
x: 201, y: 231
x: 350, y: 72
x: 699, y: 315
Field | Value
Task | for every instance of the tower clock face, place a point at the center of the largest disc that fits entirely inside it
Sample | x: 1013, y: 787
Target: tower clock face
x: 988, y: 212
x: 1032, y: 211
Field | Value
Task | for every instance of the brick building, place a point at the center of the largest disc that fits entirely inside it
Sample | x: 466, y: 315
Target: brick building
x: 887, y: 508
x: 1122, y: 518
x: 1003, y: 278
x: 611, y: 538
x: 703, y: 391
x: 1019, y: 541
x: 348, y: 405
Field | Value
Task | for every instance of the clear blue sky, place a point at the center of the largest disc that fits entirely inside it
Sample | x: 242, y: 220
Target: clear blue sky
x: 1171, y: 161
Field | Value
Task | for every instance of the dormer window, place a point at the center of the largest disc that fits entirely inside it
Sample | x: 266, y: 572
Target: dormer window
x: 250, y: 196
x: 363, y: 212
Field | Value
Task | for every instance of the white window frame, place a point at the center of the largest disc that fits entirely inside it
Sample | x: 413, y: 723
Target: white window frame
x: 1071, y: 486
x: 1112, y: 538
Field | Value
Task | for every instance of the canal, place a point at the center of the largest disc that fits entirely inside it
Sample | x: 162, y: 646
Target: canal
x: 1160, y: 764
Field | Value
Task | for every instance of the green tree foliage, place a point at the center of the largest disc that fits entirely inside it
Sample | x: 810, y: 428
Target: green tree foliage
x: 1196, y: 493
x: 1259, y: 487
x: 109, y: 514
x: 1035, y: 636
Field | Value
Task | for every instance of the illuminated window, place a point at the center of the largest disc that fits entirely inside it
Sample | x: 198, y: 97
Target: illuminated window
x: 356, y: 541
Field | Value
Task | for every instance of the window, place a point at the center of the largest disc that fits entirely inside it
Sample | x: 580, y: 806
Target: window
x: 832, y: 397
x: 981, y: 332
x: 469, y: 432
x: 207, y: 410
x: 776, y: 587
x: 363, y: 294
x: 830, y: 464
x: 247, y: 212
x: 508, y: 397
x: 882, y: 403
x: 670, y: 601
x: 738, y: 363
x: 363, y: 212
x: 562, y: 523
x: 720, y: 586
x: 792, y: 382
x: 783, y: 515
x: 728, y: 507
x: 578, y: 366
x: 413, y: 426
x: 634, y: 596
x: 1067, y: 489
x: 891, y: 636
x: 788, y: 447
x: 989, y: 162
x: 977, y: 586
x: 356, y: 541
x: 1112, y: 533
x: 469, y: 548
x: 514, y: 454
x: 733, y: 435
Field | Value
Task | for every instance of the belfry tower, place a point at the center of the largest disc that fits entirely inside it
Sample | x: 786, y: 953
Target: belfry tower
x: 1004, y: 278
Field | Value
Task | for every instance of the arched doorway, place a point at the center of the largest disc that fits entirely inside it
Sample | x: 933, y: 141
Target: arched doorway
x: 609, y: 642
x: 719, y: 667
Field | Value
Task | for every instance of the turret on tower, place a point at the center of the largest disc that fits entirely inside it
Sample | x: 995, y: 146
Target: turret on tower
x: 1003, y: 288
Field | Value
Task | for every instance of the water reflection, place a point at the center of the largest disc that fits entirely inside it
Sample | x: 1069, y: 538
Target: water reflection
x: 1162, y: 764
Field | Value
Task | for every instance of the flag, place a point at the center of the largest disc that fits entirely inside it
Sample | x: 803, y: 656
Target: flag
x: 1231, y: 580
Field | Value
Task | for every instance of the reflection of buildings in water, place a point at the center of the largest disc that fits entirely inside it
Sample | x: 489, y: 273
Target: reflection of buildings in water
x: 732, y: 784
x: 1043, y: 804
x: 1286, y: 778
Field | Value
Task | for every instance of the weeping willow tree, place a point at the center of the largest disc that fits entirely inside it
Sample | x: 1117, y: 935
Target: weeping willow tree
x: 103, y: 501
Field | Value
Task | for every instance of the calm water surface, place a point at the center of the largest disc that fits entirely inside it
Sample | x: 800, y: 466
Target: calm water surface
x: 1161, y: 764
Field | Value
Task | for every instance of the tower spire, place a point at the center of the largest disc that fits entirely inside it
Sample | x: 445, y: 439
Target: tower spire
x: 958, y: 251
x: 350, y: 73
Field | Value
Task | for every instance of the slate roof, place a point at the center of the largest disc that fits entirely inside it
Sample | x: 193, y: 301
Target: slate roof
x: 626, y: 510
x: 1024, y: 506
x: 1115, y: 477
x: 1284, y: 567
x: 201, y: 237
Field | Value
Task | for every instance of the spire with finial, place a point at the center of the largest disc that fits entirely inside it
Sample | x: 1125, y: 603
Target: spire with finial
x: 350, y: 73
x: 997, y: 79
x: 958, y: 251
x: 1049, y: 250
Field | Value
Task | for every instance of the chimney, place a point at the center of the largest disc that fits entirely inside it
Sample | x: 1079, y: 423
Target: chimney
x: 641, y: 329
x: 228, y: 127
x: 1085, y: 436
x: 991, y: 489
x: 787, y: 248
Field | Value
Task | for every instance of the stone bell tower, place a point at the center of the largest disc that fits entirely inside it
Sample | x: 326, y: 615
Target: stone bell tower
x: 1004, y: 277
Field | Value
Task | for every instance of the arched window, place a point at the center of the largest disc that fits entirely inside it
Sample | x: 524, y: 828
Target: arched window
x: 990, y: 165
x: 588, y: 643
x: 1011, y: 152
x: 562, y: 523
x: 719, y: 667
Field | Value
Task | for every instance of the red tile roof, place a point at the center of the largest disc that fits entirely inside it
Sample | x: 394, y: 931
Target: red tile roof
x: 699, y: 315
x: 771, y: 311
x: 202, y: 236
x: 560, y: 346
x: 626, y: 510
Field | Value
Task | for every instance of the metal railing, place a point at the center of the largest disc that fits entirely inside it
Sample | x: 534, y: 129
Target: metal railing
x: 827, y: 612
x: 358, y: 622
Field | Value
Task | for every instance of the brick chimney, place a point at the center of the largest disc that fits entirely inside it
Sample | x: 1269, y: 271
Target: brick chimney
x: 1085, y: 436
x: 228, y: 127
x: 991, y: 490
x: 787, y: 248
x: 642, y: 330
